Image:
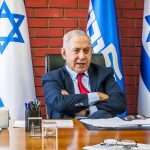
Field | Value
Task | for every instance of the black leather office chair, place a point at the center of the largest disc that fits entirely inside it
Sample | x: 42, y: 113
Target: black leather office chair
x: 55, y: 61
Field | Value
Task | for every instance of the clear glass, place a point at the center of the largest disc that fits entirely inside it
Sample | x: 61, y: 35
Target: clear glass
x: 49, y: 129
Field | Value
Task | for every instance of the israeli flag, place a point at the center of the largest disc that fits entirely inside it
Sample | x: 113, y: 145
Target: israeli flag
x: 16, y: 74
x: 144, y: 81
x: 102, y: 28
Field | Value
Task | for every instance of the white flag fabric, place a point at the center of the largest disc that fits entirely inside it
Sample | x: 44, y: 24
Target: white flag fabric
x: 144, y: 83
x: 16, y: 74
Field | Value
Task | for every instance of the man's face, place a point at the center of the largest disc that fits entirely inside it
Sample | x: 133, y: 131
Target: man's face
x: 78, y: 53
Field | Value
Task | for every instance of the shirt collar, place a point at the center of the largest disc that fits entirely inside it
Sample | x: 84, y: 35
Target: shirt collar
x: 74, y: 74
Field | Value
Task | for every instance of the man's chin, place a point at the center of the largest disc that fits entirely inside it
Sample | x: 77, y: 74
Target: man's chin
x: 81, y: 70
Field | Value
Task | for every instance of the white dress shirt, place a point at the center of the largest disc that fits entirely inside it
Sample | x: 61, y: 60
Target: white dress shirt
x: 92, y: 97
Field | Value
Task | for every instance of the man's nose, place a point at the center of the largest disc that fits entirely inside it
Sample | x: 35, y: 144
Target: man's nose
x: 81, y: 54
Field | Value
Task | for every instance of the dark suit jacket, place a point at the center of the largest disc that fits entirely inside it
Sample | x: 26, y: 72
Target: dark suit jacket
x: 66, y: 106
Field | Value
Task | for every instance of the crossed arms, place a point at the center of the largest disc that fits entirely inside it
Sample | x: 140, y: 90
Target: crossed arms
x: 61, y: 99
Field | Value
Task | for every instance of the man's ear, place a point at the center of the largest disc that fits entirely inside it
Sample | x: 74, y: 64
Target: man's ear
x: 63, y: 53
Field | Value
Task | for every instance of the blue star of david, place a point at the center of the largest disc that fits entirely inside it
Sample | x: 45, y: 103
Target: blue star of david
x: 15, y: 20
x: 148, y: 21
x: 1, y: 103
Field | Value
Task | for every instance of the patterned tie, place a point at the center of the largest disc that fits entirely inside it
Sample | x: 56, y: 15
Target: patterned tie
x: 82, y: 88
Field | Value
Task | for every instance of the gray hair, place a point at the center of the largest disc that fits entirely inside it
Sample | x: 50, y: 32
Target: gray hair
x: 72, y: 33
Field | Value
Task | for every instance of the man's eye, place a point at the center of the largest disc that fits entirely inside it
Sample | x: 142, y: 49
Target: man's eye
x: 86, y: 51
x: 76, y: 50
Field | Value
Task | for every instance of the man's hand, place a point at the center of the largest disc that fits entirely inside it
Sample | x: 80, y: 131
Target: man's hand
x: 81, y: 113
x: 103, y: 96
x: 64, y: 92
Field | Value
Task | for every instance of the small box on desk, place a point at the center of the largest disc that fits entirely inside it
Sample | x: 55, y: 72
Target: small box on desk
x: 35, y: 126
x: 4, y: 117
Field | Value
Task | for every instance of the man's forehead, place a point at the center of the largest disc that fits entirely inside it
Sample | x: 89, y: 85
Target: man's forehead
x: 79, y: 41
x: 77, y: 37
x: 80, y: 47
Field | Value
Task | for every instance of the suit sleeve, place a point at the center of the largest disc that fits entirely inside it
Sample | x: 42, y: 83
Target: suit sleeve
x: 116, y: 102
x: 69, y: 104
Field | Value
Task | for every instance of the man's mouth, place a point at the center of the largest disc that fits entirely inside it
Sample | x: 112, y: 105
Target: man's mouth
x: 81, y: 64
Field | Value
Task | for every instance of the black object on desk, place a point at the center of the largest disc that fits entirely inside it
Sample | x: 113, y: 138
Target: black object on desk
x: 31, y: 113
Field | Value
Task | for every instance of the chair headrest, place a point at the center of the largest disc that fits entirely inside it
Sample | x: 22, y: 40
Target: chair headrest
x: 55, y: 61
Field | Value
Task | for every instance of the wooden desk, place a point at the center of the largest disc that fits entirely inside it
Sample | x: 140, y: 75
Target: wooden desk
x: 68, y: 139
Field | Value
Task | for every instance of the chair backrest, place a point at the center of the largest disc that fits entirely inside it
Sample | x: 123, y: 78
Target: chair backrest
x: 55, y: 61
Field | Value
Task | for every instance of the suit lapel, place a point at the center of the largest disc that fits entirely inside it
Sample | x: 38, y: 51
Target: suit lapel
x: 93, y: 79
x: 68, y: 81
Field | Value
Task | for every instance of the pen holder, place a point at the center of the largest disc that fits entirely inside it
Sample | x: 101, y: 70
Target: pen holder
x: 31, y: 113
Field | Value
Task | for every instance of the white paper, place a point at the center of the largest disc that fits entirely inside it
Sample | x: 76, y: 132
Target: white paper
x: 62, y: 123
x: 116, y: 122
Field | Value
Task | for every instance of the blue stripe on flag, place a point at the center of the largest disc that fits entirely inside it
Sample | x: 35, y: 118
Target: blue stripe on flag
x: 1, y: 103
x: 145, y: 68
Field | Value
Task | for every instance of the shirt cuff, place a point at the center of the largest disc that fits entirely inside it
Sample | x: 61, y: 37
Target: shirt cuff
x: 93, y: 98
x: 93, y: 109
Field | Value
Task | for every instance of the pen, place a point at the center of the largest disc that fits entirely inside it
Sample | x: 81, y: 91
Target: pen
x: 33, y: 105
x: 27, y: 106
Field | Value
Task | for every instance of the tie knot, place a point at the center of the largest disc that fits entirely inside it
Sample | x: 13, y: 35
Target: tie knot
x: 80, y: 75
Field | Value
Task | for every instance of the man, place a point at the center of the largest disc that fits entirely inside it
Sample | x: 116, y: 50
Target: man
x: 81, y: 88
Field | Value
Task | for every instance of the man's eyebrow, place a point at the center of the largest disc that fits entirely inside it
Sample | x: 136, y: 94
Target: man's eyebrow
x: 87, y: 48
x: 81, y: 48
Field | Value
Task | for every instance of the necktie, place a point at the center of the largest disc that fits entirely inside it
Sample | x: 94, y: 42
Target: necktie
x: 82, y: 88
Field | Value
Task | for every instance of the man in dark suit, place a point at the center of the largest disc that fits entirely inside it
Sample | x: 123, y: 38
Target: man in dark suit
x: 95, y: 95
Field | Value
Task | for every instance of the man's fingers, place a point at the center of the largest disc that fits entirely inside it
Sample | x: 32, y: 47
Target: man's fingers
x: 103, y: 96
x: 64, y: 92
x: 81, y: 113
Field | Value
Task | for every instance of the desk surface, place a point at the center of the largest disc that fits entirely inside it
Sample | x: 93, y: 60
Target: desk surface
x: 68, y: 139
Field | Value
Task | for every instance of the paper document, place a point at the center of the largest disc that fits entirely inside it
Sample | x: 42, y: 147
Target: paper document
x: 116, y: 122
x: 62, y: 123
x: 19, y: 124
